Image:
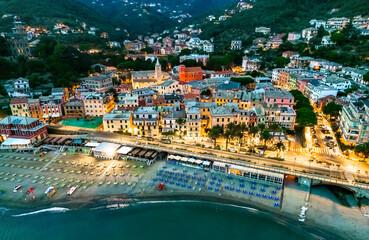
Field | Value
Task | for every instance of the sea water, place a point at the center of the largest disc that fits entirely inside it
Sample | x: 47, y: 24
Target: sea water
x: 150, y: 220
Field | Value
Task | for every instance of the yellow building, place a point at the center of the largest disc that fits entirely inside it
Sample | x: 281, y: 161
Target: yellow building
x: 118, y: 121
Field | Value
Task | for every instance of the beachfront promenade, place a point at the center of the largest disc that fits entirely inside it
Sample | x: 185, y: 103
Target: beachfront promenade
x: 242, y: 160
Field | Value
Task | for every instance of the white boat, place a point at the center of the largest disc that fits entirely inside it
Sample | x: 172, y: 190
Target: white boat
x: 16, y: 188
x: 71, y: 190
x: 302, y: 219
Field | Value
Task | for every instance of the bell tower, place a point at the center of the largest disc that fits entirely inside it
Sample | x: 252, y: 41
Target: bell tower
x: 157, y: 69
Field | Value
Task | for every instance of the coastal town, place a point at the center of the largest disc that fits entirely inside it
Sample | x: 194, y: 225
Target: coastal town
x: 168, y: 114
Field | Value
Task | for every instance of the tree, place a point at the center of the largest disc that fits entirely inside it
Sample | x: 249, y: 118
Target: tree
x: 185, y: 51
x: 332, y: 109
x: 173, y: 60
x: 274, y: 127
x: 265, y: 135
x: 253, y: 131
x: 280, y: 146
x: 322, y: 32
x: 244, y: 81
x: 215, y: 133
x: 190, y: 63
x: 240, y: 131
x: 180, y: 122
x: 366, y: 77
x: 363, y: 149
x: 261, y: 127
x: 147, y: 50
x: 338, y: 37
x: 305, y: 117
x: 227, y: 135
x: 206, y: 92
x: 282, y: 61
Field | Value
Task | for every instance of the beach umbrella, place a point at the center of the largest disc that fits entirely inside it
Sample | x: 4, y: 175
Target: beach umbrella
x: 251, y: 193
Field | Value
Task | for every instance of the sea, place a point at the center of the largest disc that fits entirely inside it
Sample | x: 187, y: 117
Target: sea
x: 152, y: 220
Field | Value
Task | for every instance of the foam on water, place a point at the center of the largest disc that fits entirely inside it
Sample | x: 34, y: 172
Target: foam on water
x: 49, y: 210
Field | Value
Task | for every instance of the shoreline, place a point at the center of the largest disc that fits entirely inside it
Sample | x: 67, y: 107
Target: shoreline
x: 107, y: 201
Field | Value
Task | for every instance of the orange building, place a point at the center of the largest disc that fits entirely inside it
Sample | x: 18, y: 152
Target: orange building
x: 190, y: 74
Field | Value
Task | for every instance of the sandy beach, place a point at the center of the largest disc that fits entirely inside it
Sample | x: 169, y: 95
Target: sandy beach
x: 114, y: 183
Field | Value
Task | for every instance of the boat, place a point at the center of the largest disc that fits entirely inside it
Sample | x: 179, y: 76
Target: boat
x: 50, y: 191
x: 71, y: 190
x: 30, y: 190
x: 16, y: 188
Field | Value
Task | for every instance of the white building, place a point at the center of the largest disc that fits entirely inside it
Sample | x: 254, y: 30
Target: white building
x: 98, y: 104
x: 309, y: 33
x: 263, y: 30
x: 99, y: 83
x: 326, y: 41
x: 208, y: 47
x: 18, y: 88
x: 236, y: 45
x: 337, y: 22
x: 337, y: 82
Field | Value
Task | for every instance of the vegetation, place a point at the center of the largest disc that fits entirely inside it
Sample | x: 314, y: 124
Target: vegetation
x: 291, y: 16
x: 332, y: 109
x: 244, y: 81
x: 305, y: 115
x: 363, y: 149
x: 47, y: 13
x: 215, y: 133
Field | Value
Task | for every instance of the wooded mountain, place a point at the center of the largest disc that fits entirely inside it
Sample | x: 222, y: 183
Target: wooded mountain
x: 48, y: 12
x: 280, y: 16
x: 151, y: 16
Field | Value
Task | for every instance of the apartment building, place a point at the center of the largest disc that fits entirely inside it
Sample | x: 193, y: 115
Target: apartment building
x: 354, y: 122
x: 146, y: 121
x: 98, y: 104
x: 118, y: 121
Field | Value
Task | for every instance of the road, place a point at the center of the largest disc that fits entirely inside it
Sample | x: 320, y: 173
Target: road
x: 300, y: 163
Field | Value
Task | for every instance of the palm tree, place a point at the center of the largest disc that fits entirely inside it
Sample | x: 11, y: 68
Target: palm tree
x: 215, y: 133
x: 230, y: 132
x: 274, y: 127
x: 265, y: 135
x: 241, y: 129
x: 363, y: 149
x: 227, y: 134
x: 261, y: 127
x: 253, y: 131
x: 180, y: 122
x: 280, y: 146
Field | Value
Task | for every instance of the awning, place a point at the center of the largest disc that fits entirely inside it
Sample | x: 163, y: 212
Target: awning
x: 77, y: 141
x: 16, y: 141
x: 124, y: 150
x: 92, y: 144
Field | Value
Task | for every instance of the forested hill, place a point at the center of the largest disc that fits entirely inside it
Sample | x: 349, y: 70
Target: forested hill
x: 282, y: 16
x: 48, y: 12
x: 152, y: 16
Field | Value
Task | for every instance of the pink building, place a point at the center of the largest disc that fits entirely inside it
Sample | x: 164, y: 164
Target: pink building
x: 279, y: 96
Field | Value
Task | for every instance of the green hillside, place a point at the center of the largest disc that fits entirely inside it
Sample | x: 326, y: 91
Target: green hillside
x: 280, y: 16
x: 48, y: 12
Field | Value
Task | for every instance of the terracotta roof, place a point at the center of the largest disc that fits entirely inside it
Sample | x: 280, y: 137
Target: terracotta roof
x: 223, y: 72
x: 193, y: 69
x: 18, y: 100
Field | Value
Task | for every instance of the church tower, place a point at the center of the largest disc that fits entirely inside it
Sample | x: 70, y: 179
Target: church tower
x: 157, y: 70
